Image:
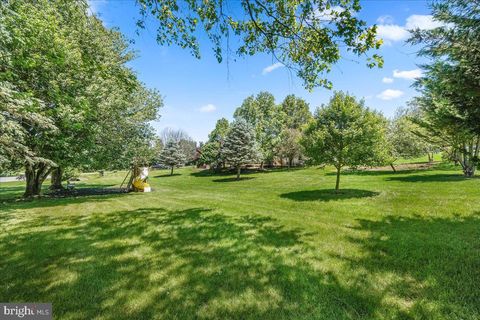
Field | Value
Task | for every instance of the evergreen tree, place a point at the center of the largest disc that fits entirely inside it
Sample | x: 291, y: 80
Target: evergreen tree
x: 266, y: 119
x: 239, y: 147
x: 210, y: 155
x: 450, y: 100
x: 172, y: 155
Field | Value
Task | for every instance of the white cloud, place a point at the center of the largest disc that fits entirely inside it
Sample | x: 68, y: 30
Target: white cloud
x: 407, y: 74
x: 272, y: 67
x: 424, y: 22
x: 387, y: 80
x: 390, y: 94
x: 386, y: 19
x: 208, y: 108
x: 390, y: 32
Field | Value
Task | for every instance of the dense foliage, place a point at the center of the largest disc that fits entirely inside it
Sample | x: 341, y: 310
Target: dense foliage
x: 240, y: 147
x: 172, y: 155
x: 345, y: 133
x: 450, y: 100
x: 70, y: 98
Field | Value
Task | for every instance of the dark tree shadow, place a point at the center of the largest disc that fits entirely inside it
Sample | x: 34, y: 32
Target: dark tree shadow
x: 233, y: 179
x: 167, y: 175
x: 18, y: 203
x: 223, y: 173
x: 185, y: 264
x: 328, y: 194
x: 431, y: 178
x: 436, y: 261
x: 247, y: 171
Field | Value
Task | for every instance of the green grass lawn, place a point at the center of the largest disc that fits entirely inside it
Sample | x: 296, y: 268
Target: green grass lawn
x: 274, y: 245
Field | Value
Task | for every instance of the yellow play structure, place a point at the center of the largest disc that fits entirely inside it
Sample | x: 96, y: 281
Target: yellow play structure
x: 138, y: 180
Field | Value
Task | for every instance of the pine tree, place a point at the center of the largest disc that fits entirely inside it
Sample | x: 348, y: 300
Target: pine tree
x: 239, y: 147
x: 172, y: 155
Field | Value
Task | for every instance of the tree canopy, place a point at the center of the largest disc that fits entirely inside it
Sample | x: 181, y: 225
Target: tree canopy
x: 450, y: 95
x: 345, y: 133
x: 71, y: 96
x: 306, y: 36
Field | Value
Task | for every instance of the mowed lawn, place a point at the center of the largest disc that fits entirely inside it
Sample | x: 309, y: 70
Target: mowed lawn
x: 275, y: 245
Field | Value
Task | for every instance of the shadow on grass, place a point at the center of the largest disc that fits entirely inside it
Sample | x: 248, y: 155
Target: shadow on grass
x: 434, y: 262
x: 431, y: 178
x: 328, y: 194
x: 184, y: 264
x: 18, y: 203
x: 233, y: 179
x: 249, y: 171
x: 167, y: 175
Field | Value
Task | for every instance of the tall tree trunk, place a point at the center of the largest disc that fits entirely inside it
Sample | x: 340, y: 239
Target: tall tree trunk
x: 56, y: 179
x: 290, y: 162
x: 393, y: 167
x: 337, y: 185
x: 35, y: 176
x: 238, y: 172
x: 171, y: 171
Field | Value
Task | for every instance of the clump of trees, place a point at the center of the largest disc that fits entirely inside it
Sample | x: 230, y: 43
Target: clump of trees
x: 345, y: 133
x: 269, y: 120
x: 68, y: 99
x: 210, y: 152
x: 407, y: 139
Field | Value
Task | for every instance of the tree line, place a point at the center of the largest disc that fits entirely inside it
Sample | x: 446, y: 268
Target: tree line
x: 343, y: 132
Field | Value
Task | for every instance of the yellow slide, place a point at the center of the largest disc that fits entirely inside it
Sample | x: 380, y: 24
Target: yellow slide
x: 141, y: 185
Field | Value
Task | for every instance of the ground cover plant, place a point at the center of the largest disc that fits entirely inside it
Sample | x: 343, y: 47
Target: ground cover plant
x: 279, y: 244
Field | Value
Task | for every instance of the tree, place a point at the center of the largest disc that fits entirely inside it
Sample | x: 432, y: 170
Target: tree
x: 263, y: 115
x: 210, y: 155
x: 296, y: 112
x: 172, y: 156
x: 345, y: 133
x: 240, y: 146
x: 56, y: 54
x: 189, y: 149
x: 19, y: 113
x: 289, y: 145
x: 187, y: 145
x: 306, y: 36
x: 450, y: 100
x: 406, y: 138
x: 220, y: 131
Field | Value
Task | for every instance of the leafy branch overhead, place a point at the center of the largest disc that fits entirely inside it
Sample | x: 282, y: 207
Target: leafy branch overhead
x: 306, y: 36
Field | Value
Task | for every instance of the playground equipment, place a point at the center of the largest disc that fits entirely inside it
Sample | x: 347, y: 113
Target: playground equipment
x: 138, y: 180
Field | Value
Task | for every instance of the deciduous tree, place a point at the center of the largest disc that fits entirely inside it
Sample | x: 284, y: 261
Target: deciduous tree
x: 345, y: 133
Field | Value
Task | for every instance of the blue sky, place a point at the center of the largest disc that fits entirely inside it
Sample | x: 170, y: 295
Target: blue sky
x: 198, y: 92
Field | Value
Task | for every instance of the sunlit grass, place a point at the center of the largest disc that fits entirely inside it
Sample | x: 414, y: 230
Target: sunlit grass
x: 277, y: 245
